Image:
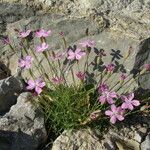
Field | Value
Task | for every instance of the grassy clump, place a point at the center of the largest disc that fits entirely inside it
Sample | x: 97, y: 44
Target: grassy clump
x: 68, y: 107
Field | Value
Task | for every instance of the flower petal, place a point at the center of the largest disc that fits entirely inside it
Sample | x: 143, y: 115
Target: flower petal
x: 31, y: 85
x: 135, y: 103
x: 38, y: 90
x: 21, y: 63
x: 113, y: 119
x: 27, y: 65
x: 78, y: 50
x: 108, y: 113
x: 82, y: 53
x: 40, y: 82
x: 113, y: 94
x: 102, y: 99
x: 28, y: 58
x: 119, y: 117
x: 110, y: 100
x: 131, y: 96
x: 124, y: 106
x: 71, y: 57
x: 78, y: 56
x: 113, y: 108
x: 130, y: 106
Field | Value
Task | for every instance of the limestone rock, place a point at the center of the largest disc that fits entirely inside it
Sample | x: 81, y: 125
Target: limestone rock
x: 23, y: 126
x: 81, y: 140
x: 10, y: 60
x: 9, y: 88
x: 11, y: 12
x: 4, y: 71
x: 73, y: 29
x: 143, y: 57
x: 130, y: 136
x: 130, y: 17
x: 146, y: 143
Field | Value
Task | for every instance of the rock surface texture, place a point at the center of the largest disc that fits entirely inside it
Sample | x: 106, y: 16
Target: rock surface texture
x: 9, y: 89
x: 23, y: 126
x: 130, y: 17
x: 115, y: 25
x: 130, y: 136
x: 143, y: 57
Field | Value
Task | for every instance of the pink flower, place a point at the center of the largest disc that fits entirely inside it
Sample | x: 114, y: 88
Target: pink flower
x: 25, y: 62
x: 107, y: 97
x: 37, y: 84
x: 80, y: 75
x: 116, y: 113
x: 42, y: 47
x: 129, y: 102
x: 102, y: 87
x: 147, y: 67
x: 57, y: 80
x: 24, y: 34
x: 87, y: 43
x: 6, y: 41
x: 57, y: 56
x: 75, y: 55
x: 123, y: 77
x: 110, y: 67
x: 43, y: 33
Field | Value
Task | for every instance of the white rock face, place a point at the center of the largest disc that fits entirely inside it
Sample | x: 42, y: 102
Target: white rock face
x: 87, y: 139
x: 81, y: 140
x: 146, y: 144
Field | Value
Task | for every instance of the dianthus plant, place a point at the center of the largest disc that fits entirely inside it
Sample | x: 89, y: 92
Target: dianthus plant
x: 75, y: 88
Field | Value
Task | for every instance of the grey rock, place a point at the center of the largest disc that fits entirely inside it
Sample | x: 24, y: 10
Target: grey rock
x: 81, y: 140
x: 10, y: 60
x: 73, y: 29
x: 145, y: 145
x: 23, y: 126
x: 143, y: 57
x: 126, y: 138
x: 10, y: 84
x: 13, y: 12
x: 89, y: 140
x: 130, y: 17
x: 131, y: 20
x: 9, y: 89
x: 132, y: 134
x: 4, y: 71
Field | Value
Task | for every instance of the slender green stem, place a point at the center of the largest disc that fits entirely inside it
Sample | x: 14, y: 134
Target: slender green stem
x: 73, y: 77
x: 86, y: 63
x: 108, y: 77
x: 31, y: 73
x: 102, y: 74
x: 50, y: 65
x: 64, y: 42
x: 11, y: 47
x: 133, y: 79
